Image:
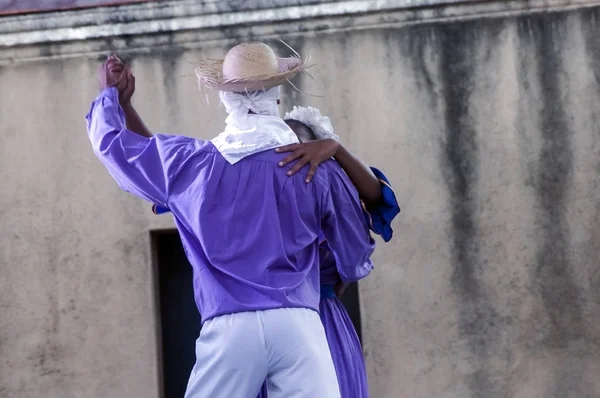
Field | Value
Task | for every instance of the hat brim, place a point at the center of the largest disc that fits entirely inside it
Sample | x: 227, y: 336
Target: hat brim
x: 210, y: 75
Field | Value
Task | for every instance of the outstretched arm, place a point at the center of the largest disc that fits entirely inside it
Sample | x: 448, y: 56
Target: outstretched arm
x: 140, y: 165
x: 372, y: 185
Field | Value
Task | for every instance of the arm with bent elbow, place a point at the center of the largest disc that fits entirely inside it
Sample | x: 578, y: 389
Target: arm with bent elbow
x: 140, y: 165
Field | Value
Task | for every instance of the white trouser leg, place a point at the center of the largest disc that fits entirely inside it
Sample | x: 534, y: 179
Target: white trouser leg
x: 300, y: 364
x: 231, y: 359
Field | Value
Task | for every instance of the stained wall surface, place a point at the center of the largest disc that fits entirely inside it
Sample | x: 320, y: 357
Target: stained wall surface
x: 488, y: 130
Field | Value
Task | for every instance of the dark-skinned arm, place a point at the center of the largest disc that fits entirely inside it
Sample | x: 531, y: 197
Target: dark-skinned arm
x: 134, y: 121
x: 367, y: 185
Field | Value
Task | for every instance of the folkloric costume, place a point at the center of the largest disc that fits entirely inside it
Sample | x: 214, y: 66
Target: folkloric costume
x: 342, y: 339
x: 250, y: 232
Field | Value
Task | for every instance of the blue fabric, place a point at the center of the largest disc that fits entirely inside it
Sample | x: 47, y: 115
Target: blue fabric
x: 156, y: 209
x: 327, y: 292
x: 380, y: 217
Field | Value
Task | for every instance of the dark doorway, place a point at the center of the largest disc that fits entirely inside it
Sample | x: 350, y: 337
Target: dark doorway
x: 351, y: 301
x: 179, y: 317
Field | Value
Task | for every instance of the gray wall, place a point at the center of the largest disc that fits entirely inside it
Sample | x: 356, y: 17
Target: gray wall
x: 487, y: 128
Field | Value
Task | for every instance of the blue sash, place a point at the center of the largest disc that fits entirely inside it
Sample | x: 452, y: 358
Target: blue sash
x: 327, y: 291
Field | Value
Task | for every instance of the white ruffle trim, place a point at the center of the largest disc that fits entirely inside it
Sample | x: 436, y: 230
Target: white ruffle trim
x: 320, y: 125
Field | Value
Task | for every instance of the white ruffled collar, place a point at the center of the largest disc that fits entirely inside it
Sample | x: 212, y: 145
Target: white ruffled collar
x: 251, y: 134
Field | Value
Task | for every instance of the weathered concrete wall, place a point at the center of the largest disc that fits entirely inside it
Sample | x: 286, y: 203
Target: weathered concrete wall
x: 487, y: 129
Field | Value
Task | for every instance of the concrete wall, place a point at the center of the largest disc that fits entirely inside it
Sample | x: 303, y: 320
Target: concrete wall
x: 30, y: 6
x: 486, y: 125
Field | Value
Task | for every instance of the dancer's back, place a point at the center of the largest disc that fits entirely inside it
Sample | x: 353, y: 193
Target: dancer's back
x: 251, y: 231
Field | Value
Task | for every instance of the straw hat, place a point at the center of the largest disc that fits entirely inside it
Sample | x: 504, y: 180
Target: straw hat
x: 249, y: 67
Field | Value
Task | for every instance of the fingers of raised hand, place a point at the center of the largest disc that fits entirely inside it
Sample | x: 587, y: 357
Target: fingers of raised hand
x: 129, y: 89
x: 131, y: 85
x: 121, y: 82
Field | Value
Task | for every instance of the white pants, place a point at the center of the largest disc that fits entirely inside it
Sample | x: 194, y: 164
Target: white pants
x: 235, y: 354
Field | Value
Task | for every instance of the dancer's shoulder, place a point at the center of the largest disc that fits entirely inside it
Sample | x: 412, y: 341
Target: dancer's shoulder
x: 188, y: 143
x: 328, y: 170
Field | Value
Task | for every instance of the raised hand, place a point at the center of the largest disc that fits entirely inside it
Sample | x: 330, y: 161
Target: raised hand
x: 126, y: 93
x: 110, y: 73
x: 114, y: 73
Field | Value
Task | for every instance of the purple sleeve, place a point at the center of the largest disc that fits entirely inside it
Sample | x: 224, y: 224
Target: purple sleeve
x: 140, y: 165
x: 346, y: 229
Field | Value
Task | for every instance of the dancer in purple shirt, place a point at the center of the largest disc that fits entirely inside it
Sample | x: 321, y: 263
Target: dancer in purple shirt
x: 250, y: 231
x: 318, y: 144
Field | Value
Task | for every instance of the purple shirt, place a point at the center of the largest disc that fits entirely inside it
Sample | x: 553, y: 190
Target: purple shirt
x: 249, y: 231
